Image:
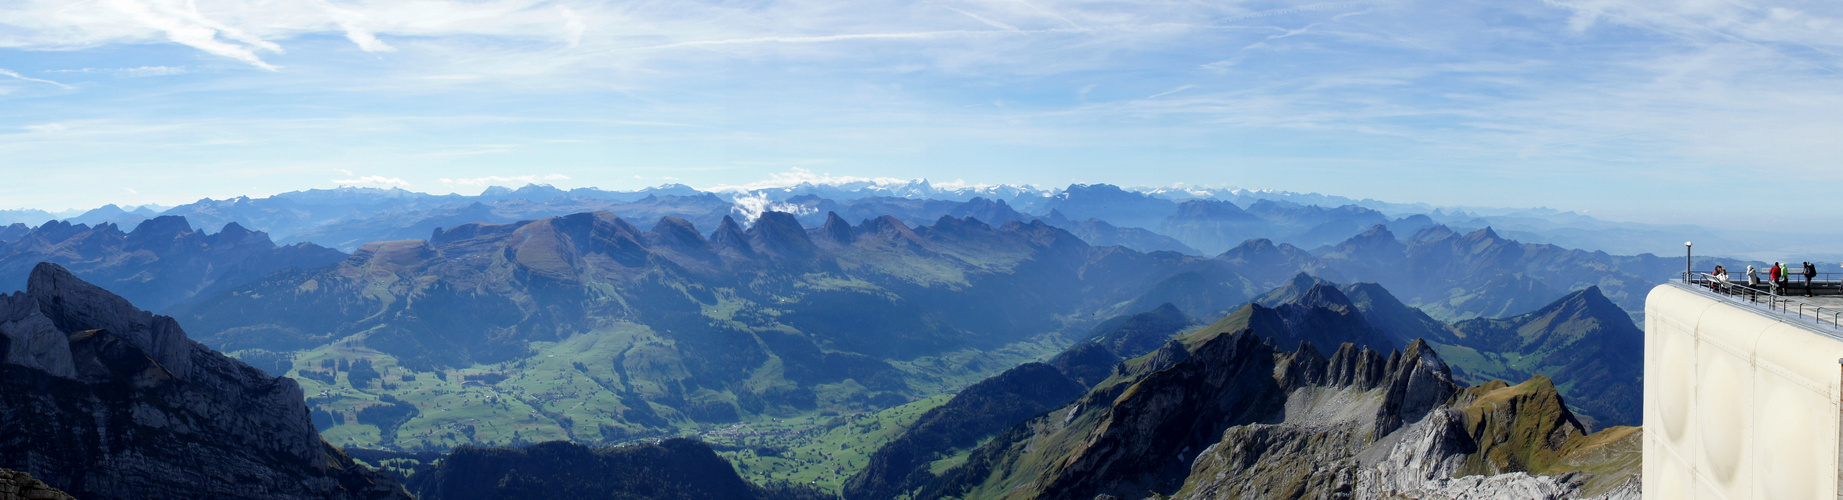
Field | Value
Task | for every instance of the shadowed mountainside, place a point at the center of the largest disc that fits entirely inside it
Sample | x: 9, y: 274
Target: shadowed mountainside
x: 672, y: 469
x: 104, y: 400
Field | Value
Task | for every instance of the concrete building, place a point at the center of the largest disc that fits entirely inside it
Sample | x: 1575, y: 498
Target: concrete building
x: 1742, y: 395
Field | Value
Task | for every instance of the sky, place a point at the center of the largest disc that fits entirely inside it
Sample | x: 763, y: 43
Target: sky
x: 1715, y: 112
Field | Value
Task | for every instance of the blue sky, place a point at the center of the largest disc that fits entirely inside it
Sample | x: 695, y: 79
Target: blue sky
x: 1631, y: 110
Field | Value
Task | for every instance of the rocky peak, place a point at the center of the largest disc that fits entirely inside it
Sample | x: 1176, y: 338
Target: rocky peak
x: 1483, y: 235
x: 1055, y: 218
x: 677, y: 234
x: 835, y: 231
x: 14, y: 232
x: 236, y: 232
x: 1355, y: 366
x: 1305, y: 366
x: 1418, y: 382
x: 1263, y: 253
x: 780, y: 235
x: 165, y: 226
x: 950, y: 227
x: 730, y: 238
x: 1520, y: 428
x: 74, y: 305
x: 1587, y: 302
x: 1325, y: 295
x: 1376, y: 232
x: 996, y: 211
x: 1377, y: 242
x: 55, y: 231
x: 1292, y: 291
x: 1433, y: 233
x: 889, y: 228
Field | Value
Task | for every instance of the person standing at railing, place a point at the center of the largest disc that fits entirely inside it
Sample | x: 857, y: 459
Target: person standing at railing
x: 1774, y: 275
x: 1753, y: 277
x: 1810, y: 272
x: 1720, y: 281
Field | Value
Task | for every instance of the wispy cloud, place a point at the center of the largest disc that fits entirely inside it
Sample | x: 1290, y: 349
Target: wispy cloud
x: 136, y: 72
x: 1180, y: 88
x: 15, y: 75
x: 182, y: 23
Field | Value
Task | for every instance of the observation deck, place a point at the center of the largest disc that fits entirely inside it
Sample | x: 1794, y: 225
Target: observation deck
x: 1743, y: 390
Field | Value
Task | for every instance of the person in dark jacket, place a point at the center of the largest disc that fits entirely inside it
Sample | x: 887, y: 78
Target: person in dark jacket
x: 1810, y: 272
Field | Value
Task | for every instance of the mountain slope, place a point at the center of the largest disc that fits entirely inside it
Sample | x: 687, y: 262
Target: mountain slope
x: 104, y: 400
x: 950, y: 431
x: 975, y: 413
x: 1582, y: 340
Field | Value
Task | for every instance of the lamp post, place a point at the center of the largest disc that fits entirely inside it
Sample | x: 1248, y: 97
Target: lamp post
x: 1686, y: 266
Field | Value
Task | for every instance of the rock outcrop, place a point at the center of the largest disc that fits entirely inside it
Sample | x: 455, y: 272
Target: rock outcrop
x: 1489, y: 441
x: 108, y: 401
x: 16, y: 485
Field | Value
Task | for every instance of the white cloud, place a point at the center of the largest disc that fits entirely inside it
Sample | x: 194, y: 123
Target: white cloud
x: 502, y: 180
x: 573, y: 25
x: 373, y: 181
x: 751, y: 207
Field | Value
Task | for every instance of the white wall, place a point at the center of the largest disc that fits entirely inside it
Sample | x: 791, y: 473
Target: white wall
x: 1738, y: 404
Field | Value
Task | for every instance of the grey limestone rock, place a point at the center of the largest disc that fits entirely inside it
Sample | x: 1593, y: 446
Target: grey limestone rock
x: 108, y: 401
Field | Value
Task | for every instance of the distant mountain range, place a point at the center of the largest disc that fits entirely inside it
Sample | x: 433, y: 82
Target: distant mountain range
x: 1206, y: 220
x: 162, y: 262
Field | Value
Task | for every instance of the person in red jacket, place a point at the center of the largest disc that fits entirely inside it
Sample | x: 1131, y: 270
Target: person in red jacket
x: 1776, y: 273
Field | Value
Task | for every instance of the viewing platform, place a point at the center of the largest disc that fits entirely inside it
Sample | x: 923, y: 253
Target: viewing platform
x: 1743, y: 390
x: 1823, y: 308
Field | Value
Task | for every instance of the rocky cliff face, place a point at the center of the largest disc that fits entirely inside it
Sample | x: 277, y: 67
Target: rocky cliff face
x: 1490, y: 441
x: 108, y: 401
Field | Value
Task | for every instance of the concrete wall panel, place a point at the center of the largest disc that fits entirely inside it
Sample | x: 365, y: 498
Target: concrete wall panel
x: 1743, y: 403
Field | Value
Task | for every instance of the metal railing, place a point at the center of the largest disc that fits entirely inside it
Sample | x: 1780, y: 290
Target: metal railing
x: 1763, y: 295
